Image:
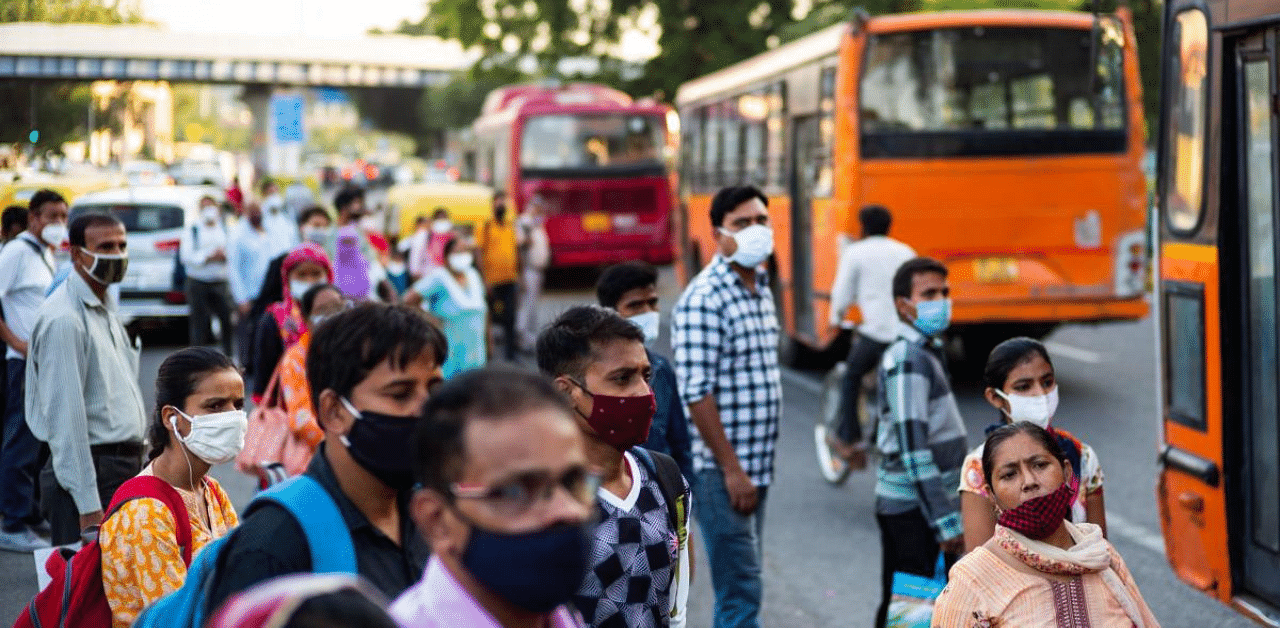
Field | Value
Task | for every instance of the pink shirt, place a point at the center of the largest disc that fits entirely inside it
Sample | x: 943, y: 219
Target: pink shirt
x: 439, y: 601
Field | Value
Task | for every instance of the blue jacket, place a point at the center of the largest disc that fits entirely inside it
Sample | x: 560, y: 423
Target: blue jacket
x: 670, y: 431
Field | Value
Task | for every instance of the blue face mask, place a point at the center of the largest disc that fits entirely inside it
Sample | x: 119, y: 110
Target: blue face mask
x: 933, y: 317
x: 536, y: 571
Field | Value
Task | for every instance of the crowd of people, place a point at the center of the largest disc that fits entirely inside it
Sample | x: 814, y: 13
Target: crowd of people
x: 441, y: 488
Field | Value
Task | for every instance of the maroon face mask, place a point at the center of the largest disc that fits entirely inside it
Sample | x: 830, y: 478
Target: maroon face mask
x: 1038, y: 517
x: 621, y: 422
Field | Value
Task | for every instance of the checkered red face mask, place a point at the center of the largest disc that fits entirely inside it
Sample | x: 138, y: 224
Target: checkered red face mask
x: 1038, y: 517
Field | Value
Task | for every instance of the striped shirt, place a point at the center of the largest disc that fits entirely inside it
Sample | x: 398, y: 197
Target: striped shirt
x: 920, y: 435
x: 725, y: 339
x: 82, y: 385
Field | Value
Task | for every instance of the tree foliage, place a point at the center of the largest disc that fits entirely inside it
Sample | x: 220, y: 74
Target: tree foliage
x: 60, y: 108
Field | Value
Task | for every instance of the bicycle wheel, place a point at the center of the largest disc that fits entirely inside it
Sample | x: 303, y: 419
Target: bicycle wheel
x: 833, y: 467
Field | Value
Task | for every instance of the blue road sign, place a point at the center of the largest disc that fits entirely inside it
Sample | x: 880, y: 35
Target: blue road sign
x: 286, y: 118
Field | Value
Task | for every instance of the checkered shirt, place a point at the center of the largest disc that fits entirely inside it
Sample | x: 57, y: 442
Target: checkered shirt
x: 633, y: 558
x: 726, y: 343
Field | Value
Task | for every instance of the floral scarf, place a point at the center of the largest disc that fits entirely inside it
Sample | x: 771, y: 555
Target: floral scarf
x: 286, y: 312
x: 1090, y: 554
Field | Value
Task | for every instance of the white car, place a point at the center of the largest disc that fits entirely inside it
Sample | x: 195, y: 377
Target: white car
x: 154, y: 218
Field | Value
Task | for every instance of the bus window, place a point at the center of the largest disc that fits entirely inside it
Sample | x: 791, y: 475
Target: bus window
x: 943, y: 92
x: 1183, y: 184
x: 576, y: 142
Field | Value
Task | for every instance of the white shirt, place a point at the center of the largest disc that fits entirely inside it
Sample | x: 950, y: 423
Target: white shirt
x: 197, y: 244
x: 248, y: 258
x: 865, y: 277
x: 277, y: 223
x: 25, y: 276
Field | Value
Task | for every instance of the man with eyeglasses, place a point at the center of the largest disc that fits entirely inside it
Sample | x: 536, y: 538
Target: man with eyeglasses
x: 504, y: 495
x: 370, y: 369
x: 638, y: 576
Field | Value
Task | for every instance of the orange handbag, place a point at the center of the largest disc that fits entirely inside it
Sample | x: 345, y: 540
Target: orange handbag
x: 270, y: 439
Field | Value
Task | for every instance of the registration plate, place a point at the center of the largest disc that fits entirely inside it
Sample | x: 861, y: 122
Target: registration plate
x: 995, y: 270
x: 595, y: 222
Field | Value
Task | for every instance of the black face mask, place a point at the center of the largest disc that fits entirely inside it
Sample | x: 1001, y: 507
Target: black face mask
x: 500, y: 212
x: 382, y: 444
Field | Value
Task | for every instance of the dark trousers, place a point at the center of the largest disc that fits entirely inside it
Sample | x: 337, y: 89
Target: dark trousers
x: 206, y: 299
x: 244, y: 344
x: 907, y: 544
x: 864, y: 356
x: 19, y: 455
x: 502, y: 307
x: 60, y: 509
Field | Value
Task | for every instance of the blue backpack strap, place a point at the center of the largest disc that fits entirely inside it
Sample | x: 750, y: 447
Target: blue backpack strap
x: 316, y: 513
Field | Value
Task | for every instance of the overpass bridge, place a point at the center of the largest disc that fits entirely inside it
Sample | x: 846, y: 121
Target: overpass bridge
x: 38, y: 51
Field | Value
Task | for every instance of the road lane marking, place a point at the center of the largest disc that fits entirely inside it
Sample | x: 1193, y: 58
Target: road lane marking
x: 1118, y: 526
x: 1073, y: 353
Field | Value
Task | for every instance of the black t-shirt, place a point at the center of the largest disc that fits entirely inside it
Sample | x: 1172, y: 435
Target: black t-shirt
x: 270, y: 543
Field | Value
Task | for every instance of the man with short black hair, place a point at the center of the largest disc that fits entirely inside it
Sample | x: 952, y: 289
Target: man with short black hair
x: 203, y: 250
x: 638, y: 575
x: 26, y: 271
x: 920, y: 434
x: 505, y: 495
x: 500, y: 267
x: 631, y: 289
x: 82, y: 395
x: 726, y: 356
x: 370, y: 369
x: 865, y: 277
x: 12, y: 222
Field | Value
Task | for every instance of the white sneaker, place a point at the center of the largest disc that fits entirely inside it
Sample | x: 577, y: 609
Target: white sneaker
x: 25, y: 541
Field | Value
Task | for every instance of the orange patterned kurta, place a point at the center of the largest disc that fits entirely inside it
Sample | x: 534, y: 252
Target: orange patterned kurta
x: 296, y: 393
x: 141, y: 560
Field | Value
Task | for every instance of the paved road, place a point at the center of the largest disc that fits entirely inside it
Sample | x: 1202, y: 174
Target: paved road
x: 822, y: 544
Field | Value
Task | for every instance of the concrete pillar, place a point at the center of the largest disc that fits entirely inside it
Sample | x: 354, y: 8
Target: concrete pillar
x: 279, y: 135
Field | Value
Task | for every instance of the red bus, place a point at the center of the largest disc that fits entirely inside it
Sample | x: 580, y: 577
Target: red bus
x: 603, y: 163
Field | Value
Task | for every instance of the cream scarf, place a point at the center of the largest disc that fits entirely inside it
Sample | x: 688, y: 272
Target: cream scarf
x: 1090, y: 554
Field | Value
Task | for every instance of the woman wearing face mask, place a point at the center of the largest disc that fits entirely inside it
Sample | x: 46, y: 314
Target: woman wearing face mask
x: 1020, y: 384
x: 317, y: 304
x: 282, y: 324
x: 1039, y: 568
x: 199, y: 421
x: 454, y: 296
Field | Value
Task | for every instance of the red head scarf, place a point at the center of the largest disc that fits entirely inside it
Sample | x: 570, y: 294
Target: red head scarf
x: 286, y: 312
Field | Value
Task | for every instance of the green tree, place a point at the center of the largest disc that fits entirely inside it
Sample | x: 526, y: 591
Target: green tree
x: 59, y: 110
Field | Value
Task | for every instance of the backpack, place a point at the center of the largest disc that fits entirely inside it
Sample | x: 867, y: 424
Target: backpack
x: 322, y: 525
x: 670, y: 482
x: 75, y: 597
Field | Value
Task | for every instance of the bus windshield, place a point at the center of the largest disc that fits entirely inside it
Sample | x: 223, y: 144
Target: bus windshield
x: 976, y: 91
x: 592, y: 142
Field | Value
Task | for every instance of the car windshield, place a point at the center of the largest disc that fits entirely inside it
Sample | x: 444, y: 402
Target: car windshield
x: 591, y: 142
x: 138, y: 217
x: 980, y: 84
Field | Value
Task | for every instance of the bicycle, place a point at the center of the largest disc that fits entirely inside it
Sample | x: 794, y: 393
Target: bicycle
x: 834, y: 467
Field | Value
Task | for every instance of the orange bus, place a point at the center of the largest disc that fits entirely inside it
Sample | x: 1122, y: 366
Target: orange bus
x: 1006, y: 143
x: 1219, y: 486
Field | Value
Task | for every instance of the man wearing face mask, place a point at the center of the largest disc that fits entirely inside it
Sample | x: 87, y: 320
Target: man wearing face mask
x: 82, y: 395
x: 203, y: 249
x: 496, y: 242
x: 631, y: 289
x: 248, y: 257
x: 920, y: 433
x: 726, y: 353
x: 26, y: 271
x: 370, y: 369
x: 276, y: 219
x: 505, y: 494
x: 638, y: 575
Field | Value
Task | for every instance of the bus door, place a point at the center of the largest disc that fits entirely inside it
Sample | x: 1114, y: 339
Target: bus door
x: 805, y: 149
x: 1256, y: 132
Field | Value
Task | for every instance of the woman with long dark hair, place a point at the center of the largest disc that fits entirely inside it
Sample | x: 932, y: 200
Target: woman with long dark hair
x: 198, y: 422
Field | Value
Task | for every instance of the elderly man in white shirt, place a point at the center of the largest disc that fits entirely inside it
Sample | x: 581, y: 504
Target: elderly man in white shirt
x: 865, y: 278
x: 203, y: 250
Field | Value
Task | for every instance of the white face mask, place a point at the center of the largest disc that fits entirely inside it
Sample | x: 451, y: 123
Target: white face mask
x: 210, y: 214
x: 461, y: 261
x: 54, y: 233
x: 214, y: 438
x: 441, y: 226
x: 1037, y: 409
x: 314, y: 235
x: 396, y: 268
x: 650, y: 323
x: 297, y: 288
x: 755, y: 245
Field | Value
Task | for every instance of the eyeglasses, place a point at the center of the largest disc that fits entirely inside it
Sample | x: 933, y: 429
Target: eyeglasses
x: 521, y: 494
